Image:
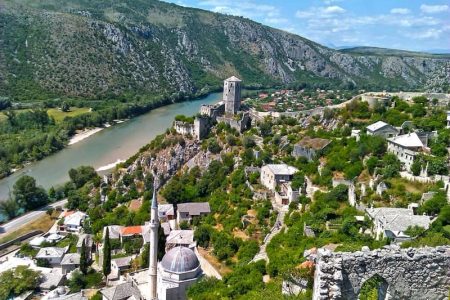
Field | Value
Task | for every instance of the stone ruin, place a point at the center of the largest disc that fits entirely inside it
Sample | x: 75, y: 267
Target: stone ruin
x: 422, y: 273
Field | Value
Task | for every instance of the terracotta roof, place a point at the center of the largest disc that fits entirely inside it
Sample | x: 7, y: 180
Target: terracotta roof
x: 131, y: 230
x: 67, y: 213
x: 313, y: 143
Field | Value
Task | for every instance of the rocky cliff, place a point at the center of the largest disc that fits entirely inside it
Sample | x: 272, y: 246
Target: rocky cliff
x: 104, y: 48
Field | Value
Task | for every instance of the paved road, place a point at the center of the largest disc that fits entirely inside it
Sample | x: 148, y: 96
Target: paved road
x: 28, y: 217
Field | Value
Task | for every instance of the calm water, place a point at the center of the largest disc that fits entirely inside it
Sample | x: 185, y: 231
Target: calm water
x: 107, y: 146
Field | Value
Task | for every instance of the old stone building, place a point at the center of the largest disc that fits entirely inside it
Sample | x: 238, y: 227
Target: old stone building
x: 274, y: 174
x: 406, y: 147
x: 310, y: 148
x: 417, y: 274
x: 232, y: 95
x: 184, y: 128
x: 382, y: 129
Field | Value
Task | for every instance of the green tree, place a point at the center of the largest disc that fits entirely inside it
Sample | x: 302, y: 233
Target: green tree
x: 82, y: 175
x: 77, y: 282
x: 9, y: 208
x: 416, y: 167
x: 213, y: 146
x: 83, y: 259
x: 27, y: 194
x: 107, y: 254
x: 145, y: 256
x: 161, y: 243
x: 18, y: 280
x: 65, y: 107
x: 202, y: 235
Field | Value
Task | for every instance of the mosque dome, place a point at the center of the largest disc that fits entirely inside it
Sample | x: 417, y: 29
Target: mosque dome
x: 179, y: 260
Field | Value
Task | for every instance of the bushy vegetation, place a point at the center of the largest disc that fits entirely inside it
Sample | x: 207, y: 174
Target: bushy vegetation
x: 18, y: 280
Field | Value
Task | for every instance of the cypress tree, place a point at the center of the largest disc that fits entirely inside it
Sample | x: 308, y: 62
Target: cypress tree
x: 83, y: 259
x: 107, y: 254
x: 161, y: 243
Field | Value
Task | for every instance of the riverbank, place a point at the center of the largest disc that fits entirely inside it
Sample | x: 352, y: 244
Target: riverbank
x: 118, y: 142
x: 110, y: 166
x: 78, y: 137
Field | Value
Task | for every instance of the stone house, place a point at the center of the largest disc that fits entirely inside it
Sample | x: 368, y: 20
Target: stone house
x: 53, y: 255
x: 118, y: 266
x: 131, y: 232
x: 183, y: 238
x: 382, y: 129
x: 72, y: 221
x: 123, y: 291
x: 187, y: 211
x: 406, y: 147
x: 274, y: 174
x: 286, y: 194
x: 381, y: 188
x: 393, y: 222
x: 70, y: 262
x: 88, y: 243
x: 310, y: 148
x: 50, y: 281
x: 166, y: 212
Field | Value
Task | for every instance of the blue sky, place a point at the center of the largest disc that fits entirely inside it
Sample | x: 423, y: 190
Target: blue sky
x: 401, y: 24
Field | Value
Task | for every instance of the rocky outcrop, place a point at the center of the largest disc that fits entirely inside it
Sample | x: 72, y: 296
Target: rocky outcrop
x: 420, y: 274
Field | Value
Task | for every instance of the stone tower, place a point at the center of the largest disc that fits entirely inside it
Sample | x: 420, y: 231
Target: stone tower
x: 232, y: 95
x: 154, y: 226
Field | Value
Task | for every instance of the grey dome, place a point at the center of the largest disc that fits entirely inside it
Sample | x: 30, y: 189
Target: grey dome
x: 179, y: 260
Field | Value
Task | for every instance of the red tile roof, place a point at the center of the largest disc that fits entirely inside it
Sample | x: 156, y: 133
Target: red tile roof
x: 131, y: 230
x: 68, y: 213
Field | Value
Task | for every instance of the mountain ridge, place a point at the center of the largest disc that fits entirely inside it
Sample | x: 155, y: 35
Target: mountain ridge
x: 102, y: 48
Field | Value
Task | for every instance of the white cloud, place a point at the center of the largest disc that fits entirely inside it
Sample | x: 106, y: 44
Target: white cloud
x: 333, y: 10
x: 433, y: 9
x: 245, y: 8
x: 400, y: 11
x: 320, y: 12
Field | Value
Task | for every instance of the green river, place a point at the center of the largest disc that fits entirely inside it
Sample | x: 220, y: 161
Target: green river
x: 103, y: 149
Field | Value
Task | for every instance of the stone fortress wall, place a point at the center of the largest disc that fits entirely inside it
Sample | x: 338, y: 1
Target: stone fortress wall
x: 422, y: 273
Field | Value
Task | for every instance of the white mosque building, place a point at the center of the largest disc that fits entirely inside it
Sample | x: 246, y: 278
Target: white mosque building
x: 178, y: 269
x: 170, y: 278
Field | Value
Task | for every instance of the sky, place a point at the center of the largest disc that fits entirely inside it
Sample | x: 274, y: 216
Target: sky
x: 416, y: 25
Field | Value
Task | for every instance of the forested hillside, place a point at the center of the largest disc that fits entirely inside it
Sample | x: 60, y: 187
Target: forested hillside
x: 105, y: 49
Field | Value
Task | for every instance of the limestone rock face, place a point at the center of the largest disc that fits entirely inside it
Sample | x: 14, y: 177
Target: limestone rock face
x: 420, y: 274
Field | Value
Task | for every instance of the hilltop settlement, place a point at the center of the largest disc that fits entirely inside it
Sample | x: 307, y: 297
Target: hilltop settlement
x: 344, y: 198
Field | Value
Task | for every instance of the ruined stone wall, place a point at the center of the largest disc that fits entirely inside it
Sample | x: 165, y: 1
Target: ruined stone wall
x: 201, y: 127
x: 184, y: 128
x: 422, y: 273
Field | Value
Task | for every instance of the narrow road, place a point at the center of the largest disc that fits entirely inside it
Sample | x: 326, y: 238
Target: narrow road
x: 279, y: 224
x: 28, y: 217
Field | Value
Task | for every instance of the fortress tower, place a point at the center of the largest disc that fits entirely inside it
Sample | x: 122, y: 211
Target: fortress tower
x: 232, y: 95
